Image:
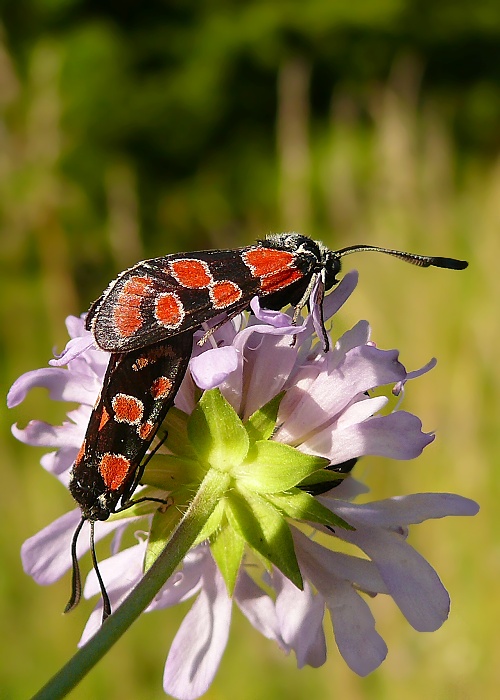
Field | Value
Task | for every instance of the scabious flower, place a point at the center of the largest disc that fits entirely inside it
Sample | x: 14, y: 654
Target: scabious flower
x: 284, y: 423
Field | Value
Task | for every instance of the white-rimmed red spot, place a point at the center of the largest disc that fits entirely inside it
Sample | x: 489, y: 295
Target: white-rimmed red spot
x: 191, y: 273
x: 161, y: 387
x: 224, y: 293
x: 128, y: 409
x: 266, y: 261
x: 114, y: 470
x: 127, y: 313
x: 169, y: 310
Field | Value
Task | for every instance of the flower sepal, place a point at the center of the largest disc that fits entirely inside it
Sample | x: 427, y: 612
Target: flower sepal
x: 227, y: 549
x: 300, y: 505
x: 265, y: 529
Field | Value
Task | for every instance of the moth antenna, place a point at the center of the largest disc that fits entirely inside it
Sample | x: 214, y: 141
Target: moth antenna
x: 412, y: 258
x: 76, y: 580
x: 106, y: 605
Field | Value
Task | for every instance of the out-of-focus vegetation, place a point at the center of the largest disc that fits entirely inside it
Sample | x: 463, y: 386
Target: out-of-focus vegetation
x: 134, y: 129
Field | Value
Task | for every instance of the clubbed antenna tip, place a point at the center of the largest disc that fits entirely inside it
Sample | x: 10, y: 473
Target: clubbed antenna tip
x: 450, y: 263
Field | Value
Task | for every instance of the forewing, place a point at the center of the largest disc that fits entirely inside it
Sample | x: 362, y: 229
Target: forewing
x: 165, y: 296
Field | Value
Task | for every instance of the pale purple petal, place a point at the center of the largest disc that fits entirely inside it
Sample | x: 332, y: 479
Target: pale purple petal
x: 258, y: 608
x: 266, y: 371
x: 62, y: 385
x: 360, y: 411
x: 59, y: 463
x: 362, y: 648
x: 356, y: 336
x: 198, y: 646
x: 363, y: 368
x: 75, y: 325
x: 300, y: 615
x: 410, y: 580
x: 47, y: 555
x: 317, y: 296
x: 340, y: 294
x: 319, y: 564
x: 397, y: 435
x: 187, y: 581
x: 212, y: 367
x: 278, y: 319
x: 402, y: 510
x: 73, y: 349
x: 120, y: 574
x: 44, y: 434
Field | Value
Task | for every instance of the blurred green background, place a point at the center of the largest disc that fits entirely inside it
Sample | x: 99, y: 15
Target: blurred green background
x: 131, y: 130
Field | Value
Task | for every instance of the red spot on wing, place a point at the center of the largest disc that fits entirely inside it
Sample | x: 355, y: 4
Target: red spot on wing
x: 114, y: 470
x: 224, y: 293
x: 161, y: 387
x: 279, y: 280
x: 104, y: 419
x: 80, y: 454
x: 145, y: 430
x: 169, y: 310
x: 128, y: 409
x: 127, y: 312
x: 190, y: 273
x: 266, y: 261
x: 140, y: 363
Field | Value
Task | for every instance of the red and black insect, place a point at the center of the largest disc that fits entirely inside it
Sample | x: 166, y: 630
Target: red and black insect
x: 147, y: 317
x: 138, y: 389
x: 162, y: 297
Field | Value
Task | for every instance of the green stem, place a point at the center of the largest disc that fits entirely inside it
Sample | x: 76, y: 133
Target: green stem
x: 182, y: 539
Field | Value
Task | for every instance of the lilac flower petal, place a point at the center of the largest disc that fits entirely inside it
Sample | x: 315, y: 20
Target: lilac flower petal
x: 44, y: 434
x: 317, y: 296
x: 62, y: 386
x: 47, y: 555
x: 59, y: 463
x: 362, y: 648
x: 278, y: 319
x: 410, y: 580
x: 301, y: 620
x: 397, y: 435
x: 363, y: 368
x: 258, y: 608
x: 319, y: 564
x: 212, y: 367
x: 402, y: 510
x: 185, y: 582
x: 360, y: 411
x: 75, y: 325
x: 356, y: 336
x: 198, y: 646
x: 120, y: 574
x: 73, y: 349
x: 266, y: 371
x: 340, y: 294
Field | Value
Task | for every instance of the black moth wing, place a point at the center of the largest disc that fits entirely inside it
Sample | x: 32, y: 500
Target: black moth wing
x: 125, y: 317
x: 145, y: 381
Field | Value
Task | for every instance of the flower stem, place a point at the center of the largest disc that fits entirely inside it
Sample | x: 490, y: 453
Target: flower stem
x: 211, y: 490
